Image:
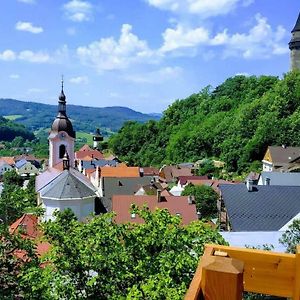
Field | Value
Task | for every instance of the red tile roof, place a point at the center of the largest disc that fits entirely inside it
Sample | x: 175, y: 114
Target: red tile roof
x: 27, y: 226
x: 120, y: 171
x: 150, y: 171
x: 183, y: 179
x: 212, y: 183
x: 85, y: 148
x: 95, y: 154
x: 176, y: 205
x: 8, y: 159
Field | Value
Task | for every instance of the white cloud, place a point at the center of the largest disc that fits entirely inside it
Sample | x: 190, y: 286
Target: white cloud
x: 8, y: 55
x: 242, y: 74
x: 111, y: 54
x: 34, y: 57
x: 202, y: 8
x: 182, y: 37
x: 71, y: 31
x: 156, y: 77
x: 27, y: 26
x: 36, y: 91
x: 260, y: 42
x: 27, y: 1
x: 78, y: 10
x: 79, y: 80
x: 14, y: 76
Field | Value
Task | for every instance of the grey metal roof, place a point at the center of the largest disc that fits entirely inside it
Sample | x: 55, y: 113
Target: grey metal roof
x: 19, y: 164
x: 98, y: 163
x: 279, y: 178
x: 67, y: 185
x: 284, y: 155
x: 121, y: 186
x: 266, y: 208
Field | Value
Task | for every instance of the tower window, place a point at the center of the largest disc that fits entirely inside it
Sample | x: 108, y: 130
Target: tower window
x: 62, y: 151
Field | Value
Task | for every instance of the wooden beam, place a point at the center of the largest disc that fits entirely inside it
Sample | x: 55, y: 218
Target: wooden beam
x: 222, y: 278
x: 296, y: 295
x: 194, y: 290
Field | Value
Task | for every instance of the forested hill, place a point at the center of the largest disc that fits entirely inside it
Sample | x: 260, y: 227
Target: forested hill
x: 37, y: 115
x: 9, y: 130
x: 234, y: 122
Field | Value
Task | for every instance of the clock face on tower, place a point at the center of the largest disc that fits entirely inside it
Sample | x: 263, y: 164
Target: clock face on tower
x: 62, y: 136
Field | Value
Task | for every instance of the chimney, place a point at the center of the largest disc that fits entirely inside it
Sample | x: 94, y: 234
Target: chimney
x: 267, y: 181
x: 141, y: 172
x: 191, y: 199
x: 249, y: 185
x: 158, y: 195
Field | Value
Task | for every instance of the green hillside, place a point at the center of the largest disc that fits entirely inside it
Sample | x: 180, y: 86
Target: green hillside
x: 234, y: 122
x: 9, y: 130
x: 37, y: 116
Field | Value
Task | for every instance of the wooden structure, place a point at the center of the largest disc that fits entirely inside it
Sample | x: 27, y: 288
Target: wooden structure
x: 251, y: 270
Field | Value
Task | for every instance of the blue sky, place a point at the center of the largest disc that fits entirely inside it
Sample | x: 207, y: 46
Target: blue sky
x: 143, y: 54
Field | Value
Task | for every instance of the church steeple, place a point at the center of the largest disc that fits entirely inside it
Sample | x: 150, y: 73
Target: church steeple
x: 294, y: 46
x: 62, y: 99
x: 62, y: 136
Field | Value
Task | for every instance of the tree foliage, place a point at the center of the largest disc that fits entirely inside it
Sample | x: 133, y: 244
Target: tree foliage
x: 17, y: 256
x: 16, y: 200
x: 205, y: 198
x: 291, y: 238
x: 235, y: 122
x: 104, y: 260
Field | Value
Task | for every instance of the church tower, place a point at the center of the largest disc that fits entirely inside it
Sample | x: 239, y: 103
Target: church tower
x: 97, y: 138
x: 62, y: 135
x: 294, y: 46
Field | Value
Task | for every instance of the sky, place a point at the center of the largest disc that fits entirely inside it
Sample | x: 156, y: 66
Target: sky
x: 143, y: 54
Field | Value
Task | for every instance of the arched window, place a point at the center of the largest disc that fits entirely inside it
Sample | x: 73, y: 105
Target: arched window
x: 62, y: 151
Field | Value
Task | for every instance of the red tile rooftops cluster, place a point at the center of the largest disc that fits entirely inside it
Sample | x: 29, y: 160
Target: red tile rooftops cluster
x: 86, y: 151
x: 175, y: 205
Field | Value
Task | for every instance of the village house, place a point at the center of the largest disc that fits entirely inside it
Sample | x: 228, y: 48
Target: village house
x: 281, y: 159
x: 179, y: 206
x: 25, y: 168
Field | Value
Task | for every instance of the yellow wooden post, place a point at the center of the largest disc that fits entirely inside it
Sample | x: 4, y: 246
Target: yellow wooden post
x: 222, y: 278
x: 296, y: 294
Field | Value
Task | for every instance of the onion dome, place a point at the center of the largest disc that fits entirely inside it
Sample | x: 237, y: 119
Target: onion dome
x: 62, y: 122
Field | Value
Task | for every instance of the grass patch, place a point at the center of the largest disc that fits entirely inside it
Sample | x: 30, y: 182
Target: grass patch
x: 12, y: 117
x: 83, y: 135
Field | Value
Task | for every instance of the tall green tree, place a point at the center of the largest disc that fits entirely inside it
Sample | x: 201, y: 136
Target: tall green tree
x: 101, y: 259
x: 205, y: 198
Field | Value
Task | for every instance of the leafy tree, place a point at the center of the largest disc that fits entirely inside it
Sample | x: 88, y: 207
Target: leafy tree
x: 291, y: 238
x: 16, y: 257
x: 101, y: 259
x: 16, y: 200
x: 205, y: 198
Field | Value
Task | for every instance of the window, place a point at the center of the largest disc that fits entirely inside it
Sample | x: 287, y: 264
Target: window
x: 133, y: 216
x: 62, y: 151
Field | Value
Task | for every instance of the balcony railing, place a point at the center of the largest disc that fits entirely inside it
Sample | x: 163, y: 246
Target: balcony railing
x: 224, y: 273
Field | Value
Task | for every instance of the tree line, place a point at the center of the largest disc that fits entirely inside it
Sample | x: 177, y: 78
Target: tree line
x: 234, y: 122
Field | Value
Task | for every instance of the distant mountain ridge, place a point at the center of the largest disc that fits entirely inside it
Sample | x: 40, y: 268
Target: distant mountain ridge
x: 37, y: 116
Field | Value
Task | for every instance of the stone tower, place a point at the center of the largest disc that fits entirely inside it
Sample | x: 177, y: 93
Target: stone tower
x: 97, y: 138
x: 294, y: 46
x: 62, y: 135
